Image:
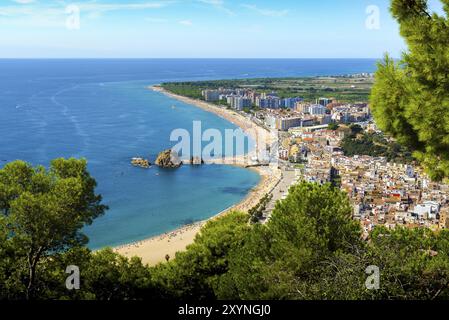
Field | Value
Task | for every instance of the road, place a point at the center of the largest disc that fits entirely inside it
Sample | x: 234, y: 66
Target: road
x: 288, y: 178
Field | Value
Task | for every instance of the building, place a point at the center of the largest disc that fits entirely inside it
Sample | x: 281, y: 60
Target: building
x: 253, y: 96
x: 284, y: 124
x: 324, y: 101
x: 269, y: 102
x: 283, y: 154
x: 302, y: 107
x: 427, y: 210
x: 211, y: 95
x: 444, y: 219
x: 261, y: 102
x: 343, y: 117
x: 289, y: 102
x: 317, y: 109
x: 325, y: 119
x: 273, y: 102
x: 270, y: 121
x: 238, y: 102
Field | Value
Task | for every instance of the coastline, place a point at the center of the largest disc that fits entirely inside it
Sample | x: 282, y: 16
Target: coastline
x: 154, y: 250
x: 244, y: 123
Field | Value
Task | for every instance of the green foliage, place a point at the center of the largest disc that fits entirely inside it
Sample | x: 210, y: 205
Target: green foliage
x: 324, y: 209
x: 355, y: 129
x: 282, y: 259
x: 375, y: 145
x: 109, y: 276
x: 350, y: 89
x: 183, y: 89
x: 43, y: 211
x: 410, y: 98
x: 311, y: 248
x: 333, y: 126
x: 335, y: 178
x: 104, y: 275
x: 411, y: 260
x: 256, y: 213
x: 195, y: 273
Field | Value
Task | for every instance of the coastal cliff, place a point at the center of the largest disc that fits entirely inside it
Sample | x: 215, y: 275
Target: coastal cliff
x: 168, y: 159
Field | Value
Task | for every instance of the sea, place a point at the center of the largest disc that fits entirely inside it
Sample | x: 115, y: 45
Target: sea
x: 102, y: 110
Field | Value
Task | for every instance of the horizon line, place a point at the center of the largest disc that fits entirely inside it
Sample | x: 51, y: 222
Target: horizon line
x: 184, y: 58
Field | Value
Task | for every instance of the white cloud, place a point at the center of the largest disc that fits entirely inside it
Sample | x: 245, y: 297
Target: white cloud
x: 103, y: 7
x: 213, y: 2
x: 266, y: 12
x: 34, y: 8
x: 31, y: 13
x: 24, y: 1
x: 27, y: 11
x: 187, y: 23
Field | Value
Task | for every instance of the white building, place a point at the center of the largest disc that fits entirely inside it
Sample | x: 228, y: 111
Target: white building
x: 427, y: 210
x: 317, y: 109
x: 239, y: 103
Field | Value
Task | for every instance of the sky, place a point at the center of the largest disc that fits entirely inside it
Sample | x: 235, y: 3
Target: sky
x: 199, y: 29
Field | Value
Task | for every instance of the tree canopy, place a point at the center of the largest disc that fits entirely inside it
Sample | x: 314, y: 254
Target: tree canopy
x: 43, y: 212
x: 410, y: 97
x: 311, y: 248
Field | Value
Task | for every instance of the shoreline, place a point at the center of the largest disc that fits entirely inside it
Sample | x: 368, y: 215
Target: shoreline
x: 154, y: 249
x: 249, y: 127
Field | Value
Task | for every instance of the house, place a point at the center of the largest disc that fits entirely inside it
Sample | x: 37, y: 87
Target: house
x: 427, y: 210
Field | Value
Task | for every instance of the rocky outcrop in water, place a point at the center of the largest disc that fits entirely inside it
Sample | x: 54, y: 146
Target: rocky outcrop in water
x: 168, y: 159
x: 140, y: 162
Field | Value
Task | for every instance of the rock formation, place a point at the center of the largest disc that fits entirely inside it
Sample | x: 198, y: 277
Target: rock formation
x: 140, y: 162
x: 168, y: 159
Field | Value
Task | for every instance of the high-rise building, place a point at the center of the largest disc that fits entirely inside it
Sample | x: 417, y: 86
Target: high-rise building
x: 239, y: 102
x: 273, y: 102
x: 261, y: 102
x: 317, y: 109
x: 324, y: 101
x: 302, y: 107
x: 289, y: 102
x: 211, y: 95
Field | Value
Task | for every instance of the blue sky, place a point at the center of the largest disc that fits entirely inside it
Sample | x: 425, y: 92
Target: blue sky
x: 198, y: 29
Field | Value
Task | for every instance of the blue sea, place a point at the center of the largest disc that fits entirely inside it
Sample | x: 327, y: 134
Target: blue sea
x: 101, y: 110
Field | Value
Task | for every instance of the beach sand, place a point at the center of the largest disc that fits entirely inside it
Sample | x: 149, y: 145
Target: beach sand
x: 255, y: 131
x: 154, y: 250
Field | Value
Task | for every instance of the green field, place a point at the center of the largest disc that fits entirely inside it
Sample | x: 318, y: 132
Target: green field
x: 344, y: 89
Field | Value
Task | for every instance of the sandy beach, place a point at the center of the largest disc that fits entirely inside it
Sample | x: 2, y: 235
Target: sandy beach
x: 154, y: 250
x: 252, y: 129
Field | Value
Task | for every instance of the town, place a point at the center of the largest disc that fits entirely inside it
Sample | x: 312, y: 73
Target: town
x: 382, y: 192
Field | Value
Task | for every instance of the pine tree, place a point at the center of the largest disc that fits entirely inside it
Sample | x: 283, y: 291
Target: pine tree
x: 410, y: 98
